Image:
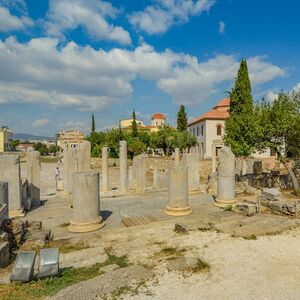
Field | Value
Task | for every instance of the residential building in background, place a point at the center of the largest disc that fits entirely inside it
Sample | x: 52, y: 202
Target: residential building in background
x: 25, y: 147
x: 157, y: 120
x: 5, y: 139
x: 128, y: 122
x: 69, y: 139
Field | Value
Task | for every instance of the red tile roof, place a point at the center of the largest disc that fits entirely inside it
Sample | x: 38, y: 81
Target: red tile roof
x: 223, y: 103
x: 158, y: 116
x: 215, y: 113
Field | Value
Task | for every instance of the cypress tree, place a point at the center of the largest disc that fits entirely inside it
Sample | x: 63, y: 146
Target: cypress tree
x: 134, y: 125
x: 240, y: 95
x: 182, y: 119
x: 240, y: 127
x: 93, y: 123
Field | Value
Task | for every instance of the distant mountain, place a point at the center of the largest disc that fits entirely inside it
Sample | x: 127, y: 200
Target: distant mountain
x: 31, y: 137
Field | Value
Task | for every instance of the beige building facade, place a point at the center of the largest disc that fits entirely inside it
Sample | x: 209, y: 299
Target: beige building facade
x: 70, y: 139
x: 5, y: 139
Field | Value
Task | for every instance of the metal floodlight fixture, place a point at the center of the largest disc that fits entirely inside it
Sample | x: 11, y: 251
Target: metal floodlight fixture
x: 49, y: 262
x: 23, y: 266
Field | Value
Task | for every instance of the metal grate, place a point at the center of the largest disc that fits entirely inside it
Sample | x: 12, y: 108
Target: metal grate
x: 138, y: 220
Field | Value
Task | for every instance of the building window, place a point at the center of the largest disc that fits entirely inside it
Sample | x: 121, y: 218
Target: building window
x: 219, y: 129
x: 194, y: 131
x: 197, y: 130
x: 202, y: 130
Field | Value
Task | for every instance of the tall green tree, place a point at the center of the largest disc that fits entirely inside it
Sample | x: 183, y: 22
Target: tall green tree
x: 241, y: 126
x: 93, y: 124
x: 182, y: 121
x: 240, y: 95
x: 134, y: 125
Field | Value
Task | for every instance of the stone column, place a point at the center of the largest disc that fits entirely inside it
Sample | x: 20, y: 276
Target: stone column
x: 86, y: 203
x: 3, y: 193
x: 10, y: 171
x: 177, y: 157
x: 213, y: 159
x: 178, y: 204
x: 70, y: 167
x: 140, y: 169
x: 155, y: 177
x: 192, y: 162
x: 226, y: 178
x: 130, y: 177
x: 3, y: 203
x: 104, y: 166
x: 33, y: 176
x: 123, y: 166
x: 84, y: 157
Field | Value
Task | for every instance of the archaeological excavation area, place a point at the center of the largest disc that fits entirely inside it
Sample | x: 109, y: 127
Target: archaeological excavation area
x: 154, y: 227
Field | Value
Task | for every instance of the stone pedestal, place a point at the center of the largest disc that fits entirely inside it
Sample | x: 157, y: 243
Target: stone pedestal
x: 192, y: 162
x: 177, y: 157
x: 86, y: 204
x: 178, y: 204
x: 10, y: 171
x: 226, y: 178
x: 123, y: 166
x: 104, y: 166
x: 33, y: 176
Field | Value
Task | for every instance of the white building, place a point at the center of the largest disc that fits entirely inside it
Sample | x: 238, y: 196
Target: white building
x: 209, y: 128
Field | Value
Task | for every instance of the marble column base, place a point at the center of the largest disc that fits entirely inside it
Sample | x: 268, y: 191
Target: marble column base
x: 224, y: 203
x: 176, y: 211
x: 85, y: 227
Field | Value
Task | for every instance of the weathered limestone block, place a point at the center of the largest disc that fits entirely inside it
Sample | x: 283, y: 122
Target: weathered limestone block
x: 10, y: 171
x: 140, y: 172
x: 123, y: 166
x: 84, y: 157
x: 226, y: 178
x: 86, y: 204
x: 33, y: 176
x: 271, y: 194
x: 178, y: 203
x: 248, y: 208
x: 192, y: 162
x: 104, y: 166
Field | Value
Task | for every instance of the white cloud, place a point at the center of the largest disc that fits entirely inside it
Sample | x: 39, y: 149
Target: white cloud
x: 9, y: 22
x: 222, y: 26
x: 40, y: 123
x: 160, y: 16
x: 91, y: 15
x: 271, y: 96
x: 87, y: 79
x: 68, y: 125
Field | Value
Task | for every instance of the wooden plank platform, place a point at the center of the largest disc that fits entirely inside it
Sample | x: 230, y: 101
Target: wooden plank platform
x: 138, y: 220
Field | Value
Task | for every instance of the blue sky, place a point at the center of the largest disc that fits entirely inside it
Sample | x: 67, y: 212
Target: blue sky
x: 62, y: 60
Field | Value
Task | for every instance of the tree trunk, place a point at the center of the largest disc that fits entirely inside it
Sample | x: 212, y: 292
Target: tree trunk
x: 293, y: 177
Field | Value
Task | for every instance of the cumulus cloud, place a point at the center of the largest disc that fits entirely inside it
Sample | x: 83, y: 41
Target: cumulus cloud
x: 9, y: 22
x: 92, y: 15
x: 87, y: 79
x: 163, y: 14
x: 40, y: 123
x: 297, y: 87
x: 222, y: 26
